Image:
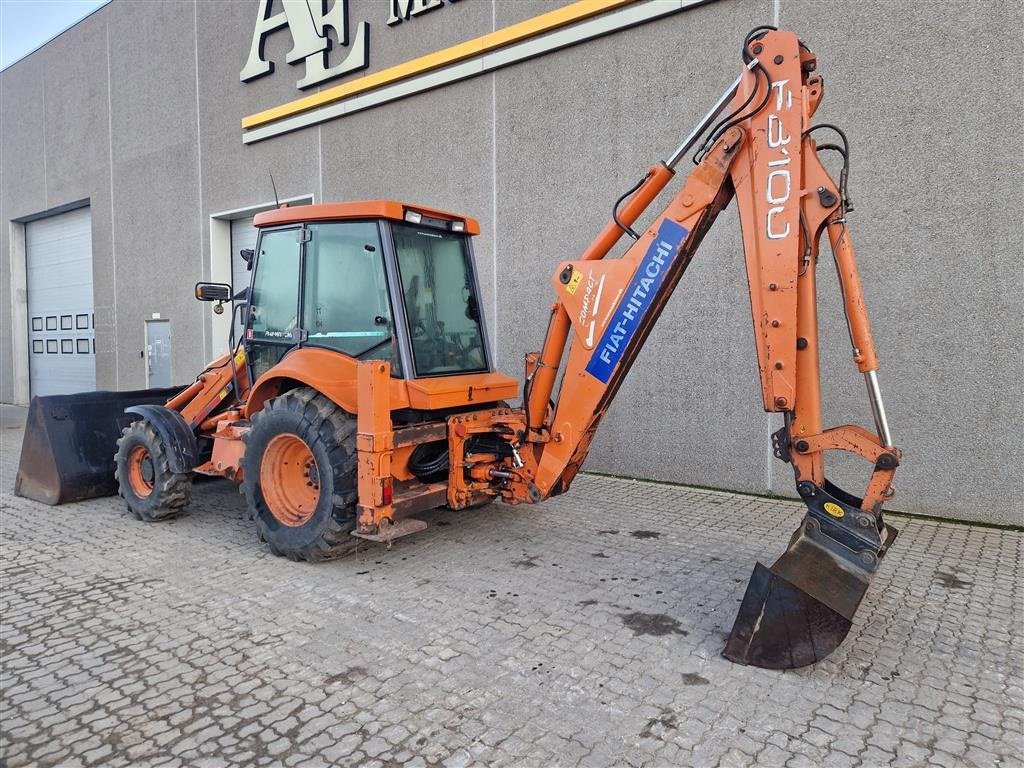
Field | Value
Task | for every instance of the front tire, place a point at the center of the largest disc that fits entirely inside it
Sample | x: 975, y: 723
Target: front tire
x: 299, y: 476
x: 144, y: 478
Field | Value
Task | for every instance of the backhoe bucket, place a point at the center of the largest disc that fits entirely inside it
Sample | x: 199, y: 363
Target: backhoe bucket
x: 67, y: 453
x: 798, y: 611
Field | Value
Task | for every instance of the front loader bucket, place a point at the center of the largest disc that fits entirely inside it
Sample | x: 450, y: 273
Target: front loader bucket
x: 70, y: 440
x: 798, y: 611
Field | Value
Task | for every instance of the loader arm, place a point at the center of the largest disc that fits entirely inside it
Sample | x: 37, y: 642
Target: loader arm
x: 765, y: 156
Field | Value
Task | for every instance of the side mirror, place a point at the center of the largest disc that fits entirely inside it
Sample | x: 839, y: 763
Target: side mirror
x: 213, y: 292
x: 247, y: 256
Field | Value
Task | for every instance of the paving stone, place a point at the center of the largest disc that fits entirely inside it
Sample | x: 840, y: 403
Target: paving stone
x: 186, y: 643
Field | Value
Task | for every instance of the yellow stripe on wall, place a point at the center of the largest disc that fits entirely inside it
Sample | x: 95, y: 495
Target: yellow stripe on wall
x: 546, y: 22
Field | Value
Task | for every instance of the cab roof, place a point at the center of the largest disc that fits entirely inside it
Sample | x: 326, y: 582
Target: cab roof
x: 364, y: 209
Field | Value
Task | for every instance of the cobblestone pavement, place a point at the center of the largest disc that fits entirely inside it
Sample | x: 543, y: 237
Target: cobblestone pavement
x: 585, y: 631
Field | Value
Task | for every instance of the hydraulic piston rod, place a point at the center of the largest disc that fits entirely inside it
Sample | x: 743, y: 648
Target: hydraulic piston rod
x: 705, y: 122
x: 878, y: 408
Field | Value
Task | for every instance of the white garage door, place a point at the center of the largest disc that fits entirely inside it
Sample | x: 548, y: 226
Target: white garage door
x: 62, y: 346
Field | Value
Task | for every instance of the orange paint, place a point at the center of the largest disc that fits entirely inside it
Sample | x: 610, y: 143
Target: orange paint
x: 140, y: 471
x: 787, y: 201
x: 368, y: 209
x: 375, y: 443
x: 290, y: 480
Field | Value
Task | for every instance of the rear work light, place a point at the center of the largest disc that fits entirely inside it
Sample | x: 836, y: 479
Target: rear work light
x: 423, y: 220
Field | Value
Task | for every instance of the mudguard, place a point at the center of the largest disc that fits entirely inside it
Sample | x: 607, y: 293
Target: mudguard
x: 176, y: 435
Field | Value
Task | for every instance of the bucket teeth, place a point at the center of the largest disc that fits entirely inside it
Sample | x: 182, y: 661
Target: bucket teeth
x: 801, y: 609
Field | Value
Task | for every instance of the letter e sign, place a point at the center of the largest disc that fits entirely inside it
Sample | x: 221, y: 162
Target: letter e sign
x: 308, y: 22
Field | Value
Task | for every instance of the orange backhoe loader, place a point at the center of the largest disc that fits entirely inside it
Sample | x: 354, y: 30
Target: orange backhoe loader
x: 363, y: 391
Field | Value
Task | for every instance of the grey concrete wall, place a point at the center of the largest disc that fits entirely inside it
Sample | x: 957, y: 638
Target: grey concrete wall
x: 930, y: 96
x: 138, y: 108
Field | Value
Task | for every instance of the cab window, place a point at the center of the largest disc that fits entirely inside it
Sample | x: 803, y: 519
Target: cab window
x: 274, y: 304
x: 440, y: 301
x: 274, y: 300
x: 345, y: 292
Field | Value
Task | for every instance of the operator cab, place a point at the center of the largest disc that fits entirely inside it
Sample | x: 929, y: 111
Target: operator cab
x: 373, y: 280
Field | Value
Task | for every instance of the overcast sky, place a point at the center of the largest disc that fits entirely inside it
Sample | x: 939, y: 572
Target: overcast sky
x: 27, y: 24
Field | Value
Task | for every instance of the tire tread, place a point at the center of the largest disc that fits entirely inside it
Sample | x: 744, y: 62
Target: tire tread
x: 335, y: 430
x: 173, y: 489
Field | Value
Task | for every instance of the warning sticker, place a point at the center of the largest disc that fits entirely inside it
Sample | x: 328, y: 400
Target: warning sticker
x: 834, y: 509
x: 574, y: 283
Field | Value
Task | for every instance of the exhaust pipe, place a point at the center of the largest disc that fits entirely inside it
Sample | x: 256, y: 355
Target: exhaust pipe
x: 801, y: 609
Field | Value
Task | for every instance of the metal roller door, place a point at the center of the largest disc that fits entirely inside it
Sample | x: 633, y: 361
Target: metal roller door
x: 58, y: 262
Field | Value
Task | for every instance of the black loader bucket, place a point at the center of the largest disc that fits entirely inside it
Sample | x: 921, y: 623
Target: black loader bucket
x: 70, y: 441
x: 798, y: 611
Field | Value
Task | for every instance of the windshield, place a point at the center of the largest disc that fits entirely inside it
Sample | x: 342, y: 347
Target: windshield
x: 345, y: 292
x: 440, y: 301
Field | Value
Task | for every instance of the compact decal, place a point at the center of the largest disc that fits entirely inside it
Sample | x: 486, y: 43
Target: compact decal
x: 779, y: 185
x: 637, y: 299
x: 591, y: 308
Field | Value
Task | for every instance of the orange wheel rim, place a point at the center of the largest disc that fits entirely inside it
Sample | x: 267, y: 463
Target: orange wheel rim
x: 140, y: 471
x: 290, y: 480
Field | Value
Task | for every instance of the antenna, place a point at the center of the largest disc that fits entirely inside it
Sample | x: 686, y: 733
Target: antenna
x: 274, y: 187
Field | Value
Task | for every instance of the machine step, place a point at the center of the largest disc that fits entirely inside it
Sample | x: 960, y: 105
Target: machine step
x: 388, y: 533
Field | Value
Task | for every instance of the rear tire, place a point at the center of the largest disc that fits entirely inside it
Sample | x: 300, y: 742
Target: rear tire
x: 299, y: 476
x: 144, y: 478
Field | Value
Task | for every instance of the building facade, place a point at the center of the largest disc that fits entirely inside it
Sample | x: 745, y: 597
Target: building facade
x: 137, y: 146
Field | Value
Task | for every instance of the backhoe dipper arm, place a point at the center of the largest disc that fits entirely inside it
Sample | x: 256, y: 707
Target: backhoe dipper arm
x: 763, y: 153
x: 765, y: 157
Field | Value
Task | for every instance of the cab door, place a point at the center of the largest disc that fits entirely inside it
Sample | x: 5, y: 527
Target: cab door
x: 345, y: 294
x: 272, y: 325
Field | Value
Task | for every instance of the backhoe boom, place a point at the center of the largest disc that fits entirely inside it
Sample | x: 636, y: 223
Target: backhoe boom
x: 765, y: 156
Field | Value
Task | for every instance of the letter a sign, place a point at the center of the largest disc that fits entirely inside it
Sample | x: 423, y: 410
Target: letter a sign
x: 308, y: 22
